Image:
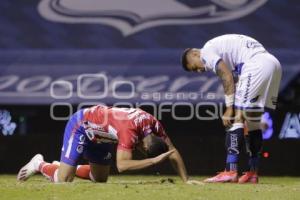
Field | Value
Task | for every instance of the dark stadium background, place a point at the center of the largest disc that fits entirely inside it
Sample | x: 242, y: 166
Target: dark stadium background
x: 32, y: 46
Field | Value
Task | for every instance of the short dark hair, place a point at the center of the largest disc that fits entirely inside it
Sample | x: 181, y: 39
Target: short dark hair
x: 184, y: 61
x: 156, y: 147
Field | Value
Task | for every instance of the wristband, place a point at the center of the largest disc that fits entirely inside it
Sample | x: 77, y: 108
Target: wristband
x: 229, y: 99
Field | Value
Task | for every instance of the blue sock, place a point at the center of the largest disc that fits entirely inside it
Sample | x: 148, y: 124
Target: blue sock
x: 234, y: 138
x: 253, y: 164
x: 231, y: 162
x: 255, y: 146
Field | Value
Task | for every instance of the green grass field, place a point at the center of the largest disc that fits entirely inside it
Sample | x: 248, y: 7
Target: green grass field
x: 147, y: 188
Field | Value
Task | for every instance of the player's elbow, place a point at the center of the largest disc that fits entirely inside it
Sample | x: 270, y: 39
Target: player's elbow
x: 174, y: 155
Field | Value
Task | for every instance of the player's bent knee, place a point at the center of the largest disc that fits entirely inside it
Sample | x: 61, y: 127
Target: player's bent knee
x: 66, y: 173
x: 99, y: 173
x: 63, y: 177
x: 99, y: 179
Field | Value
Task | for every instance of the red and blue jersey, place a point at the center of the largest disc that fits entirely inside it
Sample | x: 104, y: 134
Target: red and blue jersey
x: 126, y: 125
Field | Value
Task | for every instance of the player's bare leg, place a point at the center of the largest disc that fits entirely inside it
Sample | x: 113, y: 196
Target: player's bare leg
x: 66, y: 173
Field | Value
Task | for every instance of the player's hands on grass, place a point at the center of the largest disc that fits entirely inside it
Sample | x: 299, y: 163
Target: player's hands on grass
x: 162, y: 157
x: 227, y: 116
x: 194, y: 182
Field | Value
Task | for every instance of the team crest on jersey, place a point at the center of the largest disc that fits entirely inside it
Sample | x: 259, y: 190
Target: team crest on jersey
x: 132, y: 16
x: 79, y: 149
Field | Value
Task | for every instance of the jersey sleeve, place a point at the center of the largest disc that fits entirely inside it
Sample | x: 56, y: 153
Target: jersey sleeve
x: 151, y: 125
x: 159, y: 130
x: 210, y: 59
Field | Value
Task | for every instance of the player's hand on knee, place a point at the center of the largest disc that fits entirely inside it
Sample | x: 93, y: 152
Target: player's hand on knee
x: 162, y: 157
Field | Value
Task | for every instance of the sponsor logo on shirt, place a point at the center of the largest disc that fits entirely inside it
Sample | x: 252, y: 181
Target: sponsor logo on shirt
x: 247, y: 88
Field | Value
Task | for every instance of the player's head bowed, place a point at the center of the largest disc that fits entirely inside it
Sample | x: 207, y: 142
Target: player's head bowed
x: 154, y: 146
x: 190, y: 60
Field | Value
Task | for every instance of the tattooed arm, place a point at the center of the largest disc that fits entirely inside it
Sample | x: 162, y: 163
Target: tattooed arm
x: 227, y: 79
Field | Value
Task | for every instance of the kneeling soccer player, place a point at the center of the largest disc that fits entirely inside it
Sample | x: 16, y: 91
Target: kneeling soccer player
x: 92, y: 133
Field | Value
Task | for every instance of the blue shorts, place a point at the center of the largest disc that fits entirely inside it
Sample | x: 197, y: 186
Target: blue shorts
x: 76, y: 145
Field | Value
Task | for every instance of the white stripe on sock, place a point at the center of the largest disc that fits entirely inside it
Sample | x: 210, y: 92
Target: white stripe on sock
x: 236, y: 126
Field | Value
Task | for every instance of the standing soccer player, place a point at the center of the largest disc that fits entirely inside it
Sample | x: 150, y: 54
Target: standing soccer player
x: 92, y: 132
x: 251, y: 77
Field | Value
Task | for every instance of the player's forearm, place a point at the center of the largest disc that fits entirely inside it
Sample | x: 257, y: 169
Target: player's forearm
x: 125, y: 165
x: 178, y: 165
x: 228, y: 83
x: 227, y: 79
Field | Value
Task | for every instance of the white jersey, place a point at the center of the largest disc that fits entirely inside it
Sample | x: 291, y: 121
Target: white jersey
x: 233, y: 49
x: 257, y: 73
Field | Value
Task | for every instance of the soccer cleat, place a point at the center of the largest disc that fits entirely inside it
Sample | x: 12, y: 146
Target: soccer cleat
x: 223, y: 177
x: 249, y: 177
x: 30, y: 168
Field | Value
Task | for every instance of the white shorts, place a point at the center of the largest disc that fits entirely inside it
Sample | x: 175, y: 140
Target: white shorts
x: 258, y: 84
